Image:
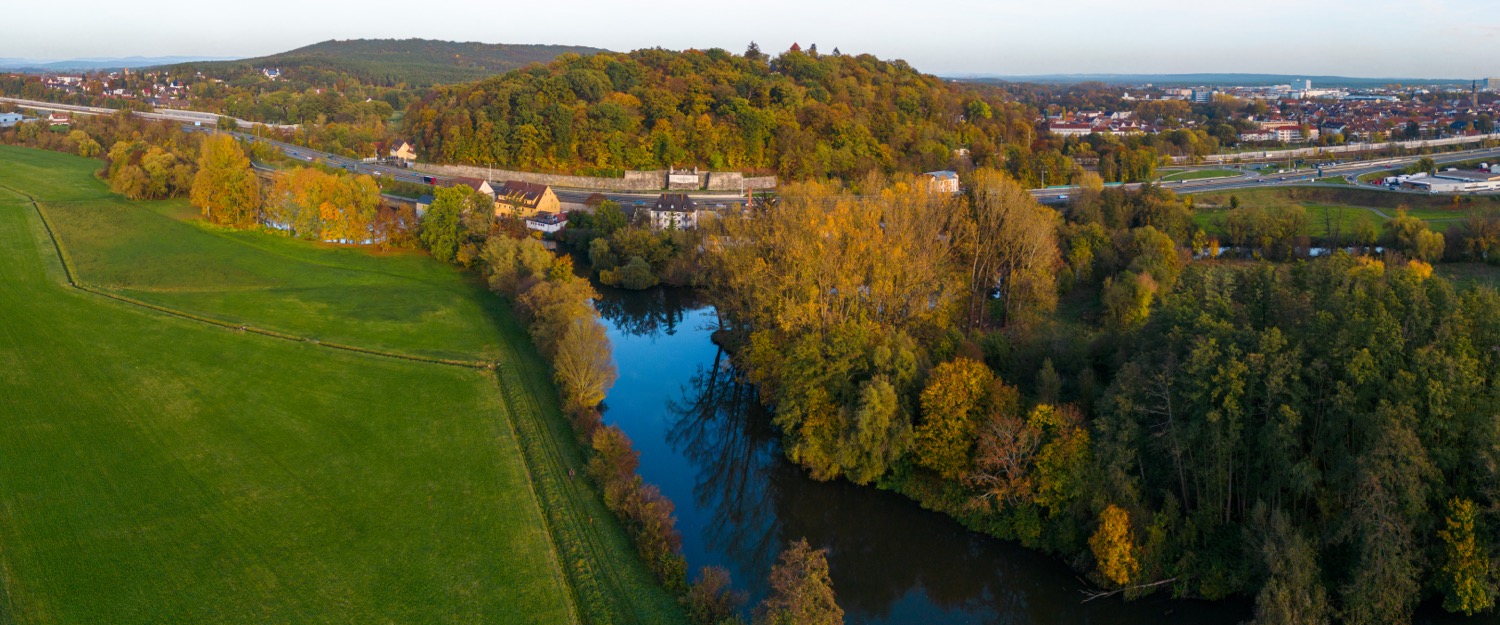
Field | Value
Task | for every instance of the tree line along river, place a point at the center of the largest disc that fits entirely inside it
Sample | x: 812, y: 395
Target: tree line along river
x: 707, y: 443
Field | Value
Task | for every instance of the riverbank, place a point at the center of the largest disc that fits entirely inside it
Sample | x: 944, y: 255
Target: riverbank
x: 708, y: 443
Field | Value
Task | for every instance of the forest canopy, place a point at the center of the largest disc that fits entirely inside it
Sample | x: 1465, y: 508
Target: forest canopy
x: 800, y: 115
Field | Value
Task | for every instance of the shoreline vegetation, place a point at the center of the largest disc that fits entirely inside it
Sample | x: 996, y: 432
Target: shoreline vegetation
x: 1079, y: 383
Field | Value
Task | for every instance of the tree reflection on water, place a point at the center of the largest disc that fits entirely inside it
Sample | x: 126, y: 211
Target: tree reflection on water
x: 715, y: 427
x: 648, y: 313
x: 891, y: 561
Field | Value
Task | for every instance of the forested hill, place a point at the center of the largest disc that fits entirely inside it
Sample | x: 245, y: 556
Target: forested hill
x: 388, y: 62
x: 800, y: 115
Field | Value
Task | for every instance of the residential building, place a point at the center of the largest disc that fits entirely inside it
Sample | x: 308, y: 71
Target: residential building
x: 547, y: 222
x: 940, y: 181
x: 59, y: 119
x: 1288, y: 131
x: 404, y: 150
x: 423, y: 203
x: 1066, y: 129
x: 674, y: 210
x: 1257, y: 136
x: 524, y: 199
x: 481, y: 186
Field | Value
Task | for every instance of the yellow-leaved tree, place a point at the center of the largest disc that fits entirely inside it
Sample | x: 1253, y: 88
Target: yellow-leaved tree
x: 1466, y: 573
x: 952, y: 405
x: 225, y: 188
x: 1114, y: 546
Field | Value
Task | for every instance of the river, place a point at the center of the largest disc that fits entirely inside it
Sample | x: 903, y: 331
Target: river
x: 707, y: 443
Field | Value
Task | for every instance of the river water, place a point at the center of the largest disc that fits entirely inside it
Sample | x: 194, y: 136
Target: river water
x: 705, y: 440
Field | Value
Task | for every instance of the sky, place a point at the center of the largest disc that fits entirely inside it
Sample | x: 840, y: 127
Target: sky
x: 1368, y: 38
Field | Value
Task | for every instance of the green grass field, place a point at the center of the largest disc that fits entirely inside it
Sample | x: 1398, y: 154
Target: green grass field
x: 1323, y: 218
x: 157, y: 469
x: 1198, y: 174
x: 1342, y: 208
x: 1470, y: 275
x: 402, y: 302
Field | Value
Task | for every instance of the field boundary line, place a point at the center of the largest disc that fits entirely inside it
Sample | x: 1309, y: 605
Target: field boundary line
x: 574, y: 598
x: 595, y: 588
x: 71, y: 275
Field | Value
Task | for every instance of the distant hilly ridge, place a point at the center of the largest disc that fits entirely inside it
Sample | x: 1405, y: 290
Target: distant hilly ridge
x: 1190, y: 80
x: 416, y: 62
x: 53, y: 65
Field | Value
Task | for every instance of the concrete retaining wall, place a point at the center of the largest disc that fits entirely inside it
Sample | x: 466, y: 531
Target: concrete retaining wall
x: 1282, y: 154
x: 632, y: 181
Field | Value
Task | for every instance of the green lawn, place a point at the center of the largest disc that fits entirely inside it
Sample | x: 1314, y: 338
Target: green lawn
x: 1323, y: 217
x: 156, y: 469
x: 1198, y: 174
x: 401, y: 302
x: 1469, y: 275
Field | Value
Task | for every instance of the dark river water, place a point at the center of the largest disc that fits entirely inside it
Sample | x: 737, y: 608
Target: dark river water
x: 705, y: 440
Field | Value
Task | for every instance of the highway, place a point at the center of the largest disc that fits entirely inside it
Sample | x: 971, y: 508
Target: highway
x: 171, y: 115
x: 565, y: 195
x: 1053, y: 196
x: 208, y: 122
x: 1303, y: 177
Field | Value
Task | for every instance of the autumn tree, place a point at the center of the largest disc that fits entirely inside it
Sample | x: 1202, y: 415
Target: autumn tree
x: 712, y: 599
x: 85, y: 145
x: 582, y: 366
x: 1465, y: 574
x: 1010, y: 243
x: 1413, y: 237
x: 1004, y: 459
x: 1127, y: 299
x: 514, y: 265
x: 225, y: 188
x: 801, y: 590
x: 1113, y: 544
x: 953, y: 404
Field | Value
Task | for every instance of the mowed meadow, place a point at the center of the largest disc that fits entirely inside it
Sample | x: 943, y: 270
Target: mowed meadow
x: 399, y: 301
x: 158, y: 469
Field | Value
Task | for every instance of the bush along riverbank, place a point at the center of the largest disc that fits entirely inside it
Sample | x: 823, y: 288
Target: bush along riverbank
x: 557, y: 306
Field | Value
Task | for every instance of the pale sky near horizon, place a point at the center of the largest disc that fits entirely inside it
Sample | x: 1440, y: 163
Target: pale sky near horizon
x: 1384, y: 38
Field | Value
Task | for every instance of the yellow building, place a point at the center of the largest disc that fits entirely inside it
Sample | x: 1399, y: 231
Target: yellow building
x: 524, y: 199
x: 404, y: 150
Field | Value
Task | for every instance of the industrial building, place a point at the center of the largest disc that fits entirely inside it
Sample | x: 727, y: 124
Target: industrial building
x: 1456, y: 182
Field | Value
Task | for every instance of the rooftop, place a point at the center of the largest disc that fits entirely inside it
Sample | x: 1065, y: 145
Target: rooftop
x: 675, y: 202
x: 1473, y: 176
x: 524, y: 192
